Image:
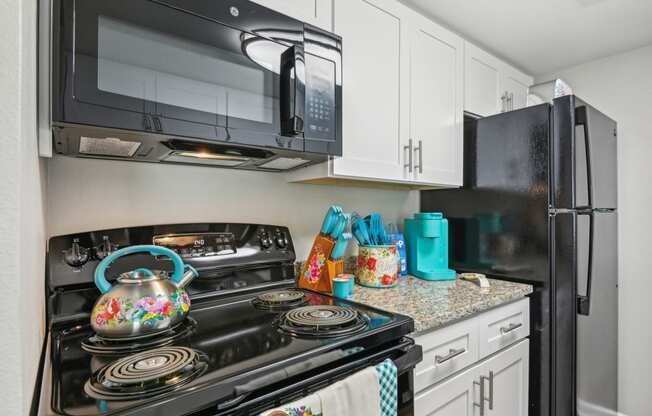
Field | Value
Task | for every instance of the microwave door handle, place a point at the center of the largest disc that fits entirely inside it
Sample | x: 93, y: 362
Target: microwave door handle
x: 293, y: 91
x: 584, y: 301
x: 581, y: 119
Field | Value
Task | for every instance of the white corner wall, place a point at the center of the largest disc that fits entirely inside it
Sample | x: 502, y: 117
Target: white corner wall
x: 621, y: 87
x: 22, y: 227
x: 85, y: 195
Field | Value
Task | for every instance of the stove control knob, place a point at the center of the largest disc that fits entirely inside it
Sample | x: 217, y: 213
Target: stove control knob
x: 281, y: 240
x: 105, y: 249
x: 265, y: 240
x: 76, y: 256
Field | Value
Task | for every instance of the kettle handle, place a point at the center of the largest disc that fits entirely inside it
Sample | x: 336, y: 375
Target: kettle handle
x: 100, y: 278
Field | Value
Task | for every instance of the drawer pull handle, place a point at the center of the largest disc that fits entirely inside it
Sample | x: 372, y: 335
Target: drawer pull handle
x: 451, y: 354
x: 512, y: 327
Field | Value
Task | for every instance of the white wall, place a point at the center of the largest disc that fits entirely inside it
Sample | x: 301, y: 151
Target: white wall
x: 621, y: 87
x: 22, y: 228
x: 86, y: 195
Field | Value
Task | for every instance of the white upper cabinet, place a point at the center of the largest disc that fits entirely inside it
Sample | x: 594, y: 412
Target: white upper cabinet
x: 481, y: 81
x: 514, y: 85
x: 373, y: 124
x: 315, y: 12
x: 436, y: 103
x: 490, y: 85
x: 402, y: 98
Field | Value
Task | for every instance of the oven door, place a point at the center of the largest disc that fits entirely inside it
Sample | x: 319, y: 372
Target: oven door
x: 148, y: 66
x: 405, y: 355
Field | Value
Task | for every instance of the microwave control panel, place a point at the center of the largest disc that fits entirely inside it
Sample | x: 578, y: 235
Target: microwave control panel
x: 320, y: 98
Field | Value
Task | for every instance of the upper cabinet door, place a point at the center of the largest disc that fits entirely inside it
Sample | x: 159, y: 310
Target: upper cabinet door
x: 373, y: 33
x: 491, y: 86
x: 436, y: 107
x: 481, y: 81
x: 315, y: 12
x: 515, y: 85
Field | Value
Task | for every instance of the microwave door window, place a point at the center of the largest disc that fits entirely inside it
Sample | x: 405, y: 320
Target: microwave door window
x: 194, y: 73
x: 187, y: 80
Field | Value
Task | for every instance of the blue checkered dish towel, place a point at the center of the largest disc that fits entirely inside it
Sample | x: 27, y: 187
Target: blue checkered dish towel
x: 388, y: 383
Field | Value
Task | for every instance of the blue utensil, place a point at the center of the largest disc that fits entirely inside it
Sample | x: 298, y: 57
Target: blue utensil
x: 330, y: 219
x: 340, y: 246
x: 360, y: 232
x: 376, y: 230
x: 340, y: 226
x: 370, y: 230
x: 382, y: 234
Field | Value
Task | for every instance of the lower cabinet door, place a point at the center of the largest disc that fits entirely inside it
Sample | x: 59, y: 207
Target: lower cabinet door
x: 452, y: 397
x: 501, y: 381
x: 505, y: 377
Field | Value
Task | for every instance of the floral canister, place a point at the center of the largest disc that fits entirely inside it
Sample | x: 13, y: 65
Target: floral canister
x: 378, y: 266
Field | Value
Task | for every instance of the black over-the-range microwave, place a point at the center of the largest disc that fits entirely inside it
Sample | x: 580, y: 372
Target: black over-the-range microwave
x: 212, y: 82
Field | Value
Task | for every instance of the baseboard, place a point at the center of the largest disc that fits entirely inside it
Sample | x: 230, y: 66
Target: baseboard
x: 590, y: 409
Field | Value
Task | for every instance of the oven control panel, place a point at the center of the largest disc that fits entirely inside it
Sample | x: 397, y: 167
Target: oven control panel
x: 198, y: 245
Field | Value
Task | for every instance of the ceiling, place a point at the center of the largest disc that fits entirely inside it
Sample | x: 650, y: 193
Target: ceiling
x: 540, y: 36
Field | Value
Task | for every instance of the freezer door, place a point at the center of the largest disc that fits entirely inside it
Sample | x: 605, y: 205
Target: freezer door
x: 597, y: 331
x: 584, y: 156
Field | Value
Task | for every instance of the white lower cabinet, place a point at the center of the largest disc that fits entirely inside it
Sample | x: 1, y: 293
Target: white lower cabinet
x: 505, y: 376
x: 453, y: 397
x: 502, y: 380
x: 460, y: 376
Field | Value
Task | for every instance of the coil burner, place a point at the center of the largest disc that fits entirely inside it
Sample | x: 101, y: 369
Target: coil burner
x: 322, y: 321
x: 280, y: 300
x: 110, y: 347
x: 146, y: 374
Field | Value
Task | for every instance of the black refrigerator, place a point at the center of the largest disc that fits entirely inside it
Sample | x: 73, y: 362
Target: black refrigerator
x: 539, y: 205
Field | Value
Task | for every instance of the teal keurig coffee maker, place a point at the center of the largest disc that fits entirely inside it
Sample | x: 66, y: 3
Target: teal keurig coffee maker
x: 426, y: 238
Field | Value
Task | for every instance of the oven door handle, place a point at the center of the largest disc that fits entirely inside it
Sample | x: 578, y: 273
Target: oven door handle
x: 410, y: 355
x: 293, y: 91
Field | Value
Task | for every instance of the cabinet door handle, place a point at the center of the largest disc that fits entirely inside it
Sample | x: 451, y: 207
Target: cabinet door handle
x: 452, y: 353
x: 502, y: 103
x: 482, y: 398
x: 409, y: 150
x: 420, y: 150
x: 491, y: 390
x: 510, y: 328
x: 511, y: 100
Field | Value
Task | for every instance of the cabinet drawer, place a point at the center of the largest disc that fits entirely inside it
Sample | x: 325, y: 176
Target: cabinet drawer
x: 504, y: 326
x: 446, y: 352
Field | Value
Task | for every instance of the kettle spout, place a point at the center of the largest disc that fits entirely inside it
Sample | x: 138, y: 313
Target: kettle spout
x: 187, y: 277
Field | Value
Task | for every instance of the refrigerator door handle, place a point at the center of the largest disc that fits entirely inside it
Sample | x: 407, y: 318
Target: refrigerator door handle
x: 581, y: 119
x: 584, y: 301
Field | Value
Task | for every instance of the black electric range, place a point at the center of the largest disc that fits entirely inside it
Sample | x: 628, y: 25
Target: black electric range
x: 251, y: 342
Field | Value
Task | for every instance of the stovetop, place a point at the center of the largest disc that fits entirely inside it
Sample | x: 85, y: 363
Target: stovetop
x: 238, y: 341
x: 233, y: 344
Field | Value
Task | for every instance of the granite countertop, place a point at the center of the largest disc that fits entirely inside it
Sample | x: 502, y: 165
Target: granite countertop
x: 436, y: 304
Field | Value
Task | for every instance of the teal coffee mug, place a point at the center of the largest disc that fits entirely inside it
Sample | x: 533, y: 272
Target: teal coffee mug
x: 341, y: 287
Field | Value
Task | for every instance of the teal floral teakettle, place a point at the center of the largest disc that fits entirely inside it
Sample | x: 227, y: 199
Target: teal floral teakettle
x: 142, y: 302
